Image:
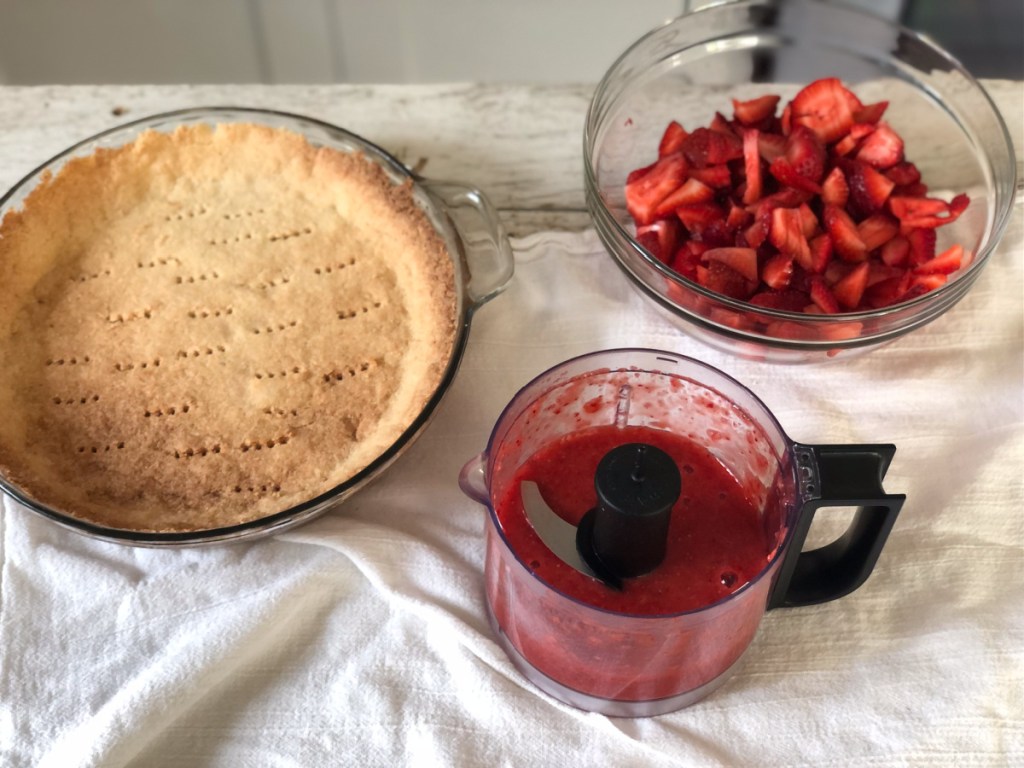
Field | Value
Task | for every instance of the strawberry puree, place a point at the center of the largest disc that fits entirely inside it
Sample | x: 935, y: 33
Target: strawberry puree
x: 716, y: 543
x: 627, y: 646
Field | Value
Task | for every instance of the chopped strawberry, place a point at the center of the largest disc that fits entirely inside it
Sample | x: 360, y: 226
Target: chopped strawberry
x: 698, y: 216
x: 787, y: 234
x: 851, y: 141
x: 845, y: 239
x: 823, y: 297
x: 635, y: 175
x: 717, y: 234
x: 672, y: 139
x: 823, y: 107
x: 755, y: 110
x: 927, y: 212
x: 870, y: 113
x: 887, y: 292
x: 644, y: 193
x: 945, y: 263
x: 777, y: 271
x: 895, y: 252
x: 922, y: 245
x: 882, y: 149
x: 660, y: 238
x: 743, y: 260
x: 771, y: 145
x: 692, y: 191
x: 720, y: 278
x: 927, y: 281
x: 878, y: 229
x: 869, y: 189
x: 820, y: 254
x: 787, y: 197
x: 716, y: 176
x: 804, y: 162
x: 911, y: 190
x: 719, y: 124
x: 786, y: 119
x: 879, y: 271
x: 844, y: 146
x: 752, y: 165
x: 686, y: 260
x: 834, y: 190
x: 738, y: 217
x: 705, y: 147
x: 904, y: 174
x: 849, y: 289
x: 837, y: 270
x: 808, y: 221
x: 786, y: 300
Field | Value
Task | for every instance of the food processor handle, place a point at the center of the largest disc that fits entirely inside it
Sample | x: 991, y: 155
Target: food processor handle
x: 486, y: 250
x: 837, y: 476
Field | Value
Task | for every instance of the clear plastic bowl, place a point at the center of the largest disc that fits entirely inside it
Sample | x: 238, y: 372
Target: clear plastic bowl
x: 461, y: 214
x: 691, y: 67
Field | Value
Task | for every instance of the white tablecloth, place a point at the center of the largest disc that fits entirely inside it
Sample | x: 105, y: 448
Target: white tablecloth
x: 361, y: 638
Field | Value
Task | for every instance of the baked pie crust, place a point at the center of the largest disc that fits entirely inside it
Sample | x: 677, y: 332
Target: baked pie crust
x: 206, y: 327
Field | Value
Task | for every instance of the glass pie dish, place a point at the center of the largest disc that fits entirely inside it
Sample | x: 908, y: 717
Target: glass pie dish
x: 458, y: 221
x: 691, y: 67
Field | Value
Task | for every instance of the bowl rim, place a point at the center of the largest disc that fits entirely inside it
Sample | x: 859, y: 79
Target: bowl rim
x: 951, y: 292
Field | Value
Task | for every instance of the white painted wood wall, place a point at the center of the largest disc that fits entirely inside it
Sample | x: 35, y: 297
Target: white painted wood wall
x: 322, y: 41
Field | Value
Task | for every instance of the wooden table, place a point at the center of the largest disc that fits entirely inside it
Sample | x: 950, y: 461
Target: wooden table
x: 522, y: 145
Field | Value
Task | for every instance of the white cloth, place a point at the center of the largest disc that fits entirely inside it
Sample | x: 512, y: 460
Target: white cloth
x: 361, y: 638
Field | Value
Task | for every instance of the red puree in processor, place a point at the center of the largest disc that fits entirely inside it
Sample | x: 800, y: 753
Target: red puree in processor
x: 716, y: 542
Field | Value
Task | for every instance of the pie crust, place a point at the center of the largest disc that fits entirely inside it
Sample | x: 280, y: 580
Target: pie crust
x: 206, y: 327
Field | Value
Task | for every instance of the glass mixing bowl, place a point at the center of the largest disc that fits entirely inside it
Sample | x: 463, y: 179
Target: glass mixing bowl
x: 461, y: 214
x: 691, y: 67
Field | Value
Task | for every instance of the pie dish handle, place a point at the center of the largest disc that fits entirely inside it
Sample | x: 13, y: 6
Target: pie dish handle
x: 485, y: 245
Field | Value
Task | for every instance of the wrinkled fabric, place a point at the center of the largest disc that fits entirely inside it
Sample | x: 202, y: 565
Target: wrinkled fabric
x: 361, y: 638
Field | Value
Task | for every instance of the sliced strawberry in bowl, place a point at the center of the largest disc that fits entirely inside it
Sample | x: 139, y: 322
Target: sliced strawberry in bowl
x: 824, y: 107
x: 835, y: 190
x: 755, y: 110
x: 660, y: 238
x: 870, y: 113
x: 878, y: 229
x: 803, y: 163
x: 849, y: 289
x: 785, y: 300
x: 752, y: 166
x: 644, y: 193
x: 692, y: 191
x: 717, y: 176
x: 922, y: 244
x: 672, y: 139
x: 869, y: 188
x: 896, y: 251
x: 882, y: 149
x: 927, y: 212
x: 777, y: 271
x: 846, y: 240
x: 697, y: 217
x: 945, y: 263
x: 787, y: 234
x: 720, y: 278
x: 743, y: 260
x: 823, y: 297
x: 704, y: 147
